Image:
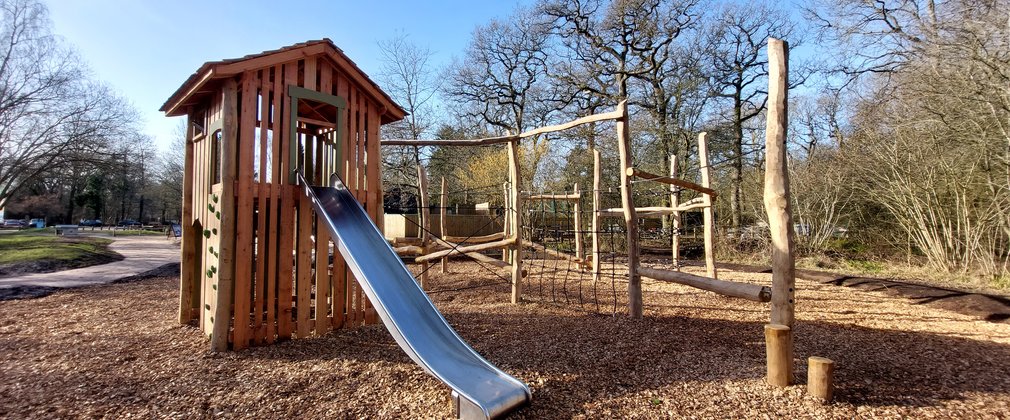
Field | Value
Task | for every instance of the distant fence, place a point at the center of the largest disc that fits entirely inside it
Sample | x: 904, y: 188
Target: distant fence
x: 406, y: 225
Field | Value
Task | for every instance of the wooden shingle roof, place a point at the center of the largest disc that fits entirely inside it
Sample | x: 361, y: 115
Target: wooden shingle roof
x: 206, y: 78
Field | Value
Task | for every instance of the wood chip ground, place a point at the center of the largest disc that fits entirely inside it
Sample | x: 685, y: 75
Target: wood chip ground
x: 116, y: 351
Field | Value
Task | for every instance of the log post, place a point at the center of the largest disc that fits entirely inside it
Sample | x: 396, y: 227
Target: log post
x: 776, y: 194
x: 709, y: 211
x: 820, y: 378
x: 596, y: 216
x: 507, y: 223
x: 630, y: 217
x: 226, y: 262
x: 779, y: 353
x: 515, y: 196
x: 579, y: 253
x: 675, y: 218
x: 443, y: 202
x: 189, y: 279
x: 422, y: 186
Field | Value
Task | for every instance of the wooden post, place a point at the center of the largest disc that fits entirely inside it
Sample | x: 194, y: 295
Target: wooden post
x: 188, y: 276
x: 579, y: 253
x: 507, y: 224
x: 779, y: 353
x: 675, y: 218
x: 776, y: 194
x: 630, y: 217
x: 709, y: 212
x: 596, y: 216
x: 226, y: 262
x: 515, y: 196
x: 820, y: 378
x: 422, y: 187
x: 443, y: 202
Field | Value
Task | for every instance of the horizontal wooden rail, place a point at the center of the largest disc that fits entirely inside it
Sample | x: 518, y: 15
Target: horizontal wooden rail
x: 612, y: 115
x: 473, y: 255
x: 672, y: 181
x: 558, y: 254
x: 562, y: 197
x: 747, y: 291
x: 466, y: 249
x: 497, y: 236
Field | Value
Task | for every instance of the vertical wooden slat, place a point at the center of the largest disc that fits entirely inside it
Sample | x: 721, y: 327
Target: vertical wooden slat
x: 323, y: 324
x: 373, y: 185
x: 188, y: 278
x: 579, y: 252
x: 339, y: 278
x: 273, y: 215
x: 263, y: 231
x: 305, y: 247
x: 244, y: 196
x: 288, y: 208
x: 350, y: 178
x: 226, y: 263
x: 630, y: 216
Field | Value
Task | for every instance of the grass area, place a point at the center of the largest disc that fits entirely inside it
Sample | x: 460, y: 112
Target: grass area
x: 36, y: 251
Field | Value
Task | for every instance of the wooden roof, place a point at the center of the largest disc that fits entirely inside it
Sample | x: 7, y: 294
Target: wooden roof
x: 209, y: 75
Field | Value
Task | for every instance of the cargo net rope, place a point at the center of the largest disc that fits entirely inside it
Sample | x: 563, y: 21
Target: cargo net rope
x: 563, y: 266
x: 454, y: 214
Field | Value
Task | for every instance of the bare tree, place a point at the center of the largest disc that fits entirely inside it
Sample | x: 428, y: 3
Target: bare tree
x: 49, y: 112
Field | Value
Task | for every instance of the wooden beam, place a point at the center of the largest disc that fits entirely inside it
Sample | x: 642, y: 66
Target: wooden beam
x: 466, y: 249
x: 595, y: 238
x: 559, y: 197
x: 516, y: 199
x: 708, y: 214
x: 422, y: 186
x: 675, y: 219
x: 442, y: 203
x: 442, y: 142
x: 475, y: 239
x: 776, y: 194
x: 579, y: 252
x: 620, y: 112
x: 474, y: 255
x: 557, y: 254
x: 672, y: 181
x: 630, y: 216
x: 226, y: 262
x: 747, y: 291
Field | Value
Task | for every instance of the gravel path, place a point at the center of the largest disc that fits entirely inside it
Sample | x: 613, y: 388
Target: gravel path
x: 114, y: 350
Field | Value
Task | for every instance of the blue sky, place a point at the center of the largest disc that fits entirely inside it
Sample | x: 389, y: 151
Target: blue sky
x: 145, y: 49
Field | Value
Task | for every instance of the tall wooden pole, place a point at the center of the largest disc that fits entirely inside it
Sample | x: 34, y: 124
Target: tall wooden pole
x: 443, y: 202
x: 675, y: 219
x: 630, y: 217
x: 515, y: 175
x: 226, y: 262
x: 422, y: 186
x: 708, y: 213
x: 507, y: 228
x: 188, y: 276
x: 776, y: 200
x: 596, y: 216
x: 776, y: 194
x: 579, y: 253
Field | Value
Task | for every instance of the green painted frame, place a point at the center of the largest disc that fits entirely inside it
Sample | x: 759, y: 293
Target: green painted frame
x: 296, y: 93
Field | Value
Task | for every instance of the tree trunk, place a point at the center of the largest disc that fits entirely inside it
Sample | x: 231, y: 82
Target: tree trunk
x: 735, y: 200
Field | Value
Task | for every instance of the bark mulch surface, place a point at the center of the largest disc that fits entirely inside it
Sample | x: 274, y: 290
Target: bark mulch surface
x: 116, y: 350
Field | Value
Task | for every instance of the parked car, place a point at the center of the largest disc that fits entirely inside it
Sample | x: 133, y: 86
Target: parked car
x: 129, y: 223
x: 37, y: 223
x: 91, y: 223
x: 14, y: 223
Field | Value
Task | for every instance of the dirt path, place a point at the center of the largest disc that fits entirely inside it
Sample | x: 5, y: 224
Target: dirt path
x: 141, y: 254
x: 114, y: 350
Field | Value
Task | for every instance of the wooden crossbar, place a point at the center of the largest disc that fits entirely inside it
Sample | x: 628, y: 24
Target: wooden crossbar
x: 747, y: 291
x: 672, y: 181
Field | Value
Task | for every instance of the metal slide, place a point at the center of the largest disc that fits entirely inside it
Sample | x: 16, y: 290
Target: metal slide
x: 479, y: 389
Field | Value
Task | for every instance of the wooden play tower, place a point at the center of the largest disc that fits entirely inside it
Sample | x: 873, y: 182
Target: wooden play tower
x: 256, y: 268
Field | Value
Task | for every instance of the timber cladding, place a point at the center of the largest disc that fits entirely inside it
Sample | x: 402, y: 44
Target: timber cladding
x: 256, y: 265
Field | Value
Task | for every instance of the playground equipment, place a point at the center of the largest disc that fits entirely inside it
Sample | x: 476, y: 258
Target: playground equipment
x: 262, y: 217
